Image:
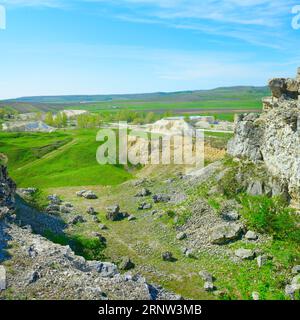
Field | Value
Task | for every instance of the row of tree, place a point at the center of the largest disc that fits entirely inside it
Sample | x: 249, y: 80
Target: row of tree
x: 88, y: 120
x: 60, y: 120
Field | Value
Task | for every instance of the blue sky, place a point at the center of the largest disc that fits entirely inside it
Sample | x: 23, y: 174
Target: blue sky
x: 130, y: 46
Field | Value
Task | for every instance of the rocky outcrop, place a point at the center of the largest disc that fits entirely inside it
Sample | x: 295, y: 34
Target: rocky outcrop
x: 41, y: 269
x: 7, y: 192
x: 44, y: 270
x: 274, y: 136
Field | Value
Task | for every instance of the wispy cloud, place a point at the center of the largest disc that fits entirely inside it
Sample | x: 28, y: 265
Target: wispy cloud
x: 258, y: 22
x: 35, y: 3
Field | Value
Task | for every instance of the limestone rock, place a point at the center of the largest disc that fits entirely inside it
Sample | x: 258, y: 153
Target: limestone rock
x: 262, y: 260
x: 245, y: 254
x: 206, y: 276
x: 181, y: 236
x: 230, y: 216
x: 102, y: 226
x: 145, y: 206
x: 87, y: 194
x: 143, y: 193
x: 167, y: 256
x: 91, y: 211
x: 273, y: 138
x: 255, y: 188
x: 54, y: 199
x: 126, y: 264
x: 251, y: 235
x: 77, y: 219
x: 2, y: 278
x: 161, y: 198
x: 296, y: 269
x: 255, y: 296
x: 209, y: 286
x: 223, y: 234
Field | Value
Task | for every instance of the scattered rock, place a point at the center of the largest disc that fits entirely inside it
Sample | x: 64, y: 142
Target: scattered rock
x: 189, y: 253
x: 245, y: 254
x: 113, y: 213
x: 139, y: 182
x: 54, y: 199
x: 255, y: 188
x: 223, y: 234
x: 262, y: 260
x: 296, y: 269
x: 2, y: 278
x: 251, y: 235
x: 161, y: 198
x: 32, y: 252
x: 102, y: 226
x: 80, y: 193
x: 296, y: 281
x: 105, y: 269
x: 91, y: 211
x: 143, y: 193
x: 68, y: 205
x: 95, y: 219
x: 230, y: 216
x: 53, y: 208
x: 145, y: 206
x: 28, y: 228
x: 126, y: 264
x: 206, y: 276
x: 77, y: 219
x: 131, y: 218
x: 64, y: 209
x: 33, y: 277
x: 290, y: 290
x: 255, y: 296
x: 181, y: 236
x: 87, y: 194
x: 209, y: 286
x: 99, y: 236
x: 167, y: 256
x: 27, y: 191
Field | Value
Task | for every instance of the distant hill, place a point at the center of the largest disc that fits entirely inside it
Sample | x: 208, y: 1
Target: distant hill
x: 221, y: 93
x: 238, y: 97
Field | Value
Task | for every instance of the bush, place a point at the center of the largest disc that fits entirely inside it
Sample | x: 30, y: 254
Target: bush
x: 89, y: 248
x: 272, y: 216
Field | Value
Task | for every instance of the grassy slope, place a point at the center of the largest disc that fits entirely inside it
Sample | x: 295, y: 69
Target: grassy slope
x: 145, y: 239
x: 57, y: 159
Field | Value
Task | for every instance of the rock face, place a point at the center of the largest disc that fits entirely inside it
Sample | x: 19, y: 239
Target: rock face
x: 7, y: 192
x: 2, y: 278
x: 274, y: 136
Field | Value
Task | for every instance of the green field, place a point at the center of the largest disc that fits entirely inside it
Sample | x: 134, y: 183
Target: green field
x: 57, y: 159
x: 231, y: 98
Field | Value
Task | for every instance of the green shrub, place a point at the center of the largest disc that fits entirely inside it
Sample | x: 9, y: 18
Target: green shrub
x: 270, y: 215
x: 89, y: 248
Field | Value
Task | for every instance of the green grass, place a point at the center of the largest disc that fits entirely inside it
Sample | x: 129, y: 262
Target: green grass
x: 58, y: 159
x: 158, y: 106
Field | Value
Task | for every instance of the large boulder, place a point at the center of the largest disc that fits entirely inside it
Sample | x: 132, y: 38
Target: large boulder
x: 226, y: 233
x: 245, y: 254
